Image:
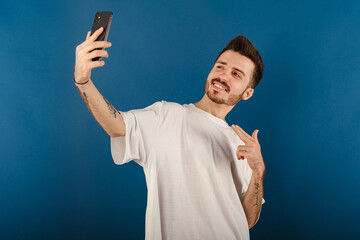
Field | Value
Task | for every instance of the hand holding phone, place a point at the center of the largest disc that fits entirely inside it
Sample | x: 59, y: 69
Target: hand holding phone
x: 102, y: 19
x: 89, y: 53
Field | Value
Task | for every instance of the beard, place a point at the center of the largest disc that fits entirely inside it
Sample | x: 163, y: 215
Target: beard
x: 213, y: 94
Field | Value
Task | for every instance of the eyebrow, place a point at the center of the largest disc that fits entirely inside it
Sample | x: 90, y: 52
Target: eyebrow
x: 224, y: 63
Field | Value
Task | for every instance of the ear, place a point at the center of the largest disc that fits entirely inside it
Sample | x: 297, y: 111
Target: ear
x: 248, y: 93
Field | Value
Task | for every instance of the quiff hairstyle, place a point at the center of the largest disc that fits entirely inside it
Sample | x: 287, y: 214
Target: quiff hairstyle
x: 243, y: 46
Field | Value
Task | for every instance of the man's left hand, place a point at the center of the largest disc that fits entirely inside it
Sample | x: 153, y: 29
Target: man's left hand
x: 251, y: 150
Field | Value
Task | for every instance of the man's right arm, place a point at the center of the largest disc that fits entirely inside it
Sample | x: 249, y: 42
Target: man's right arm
x: 102, y: 110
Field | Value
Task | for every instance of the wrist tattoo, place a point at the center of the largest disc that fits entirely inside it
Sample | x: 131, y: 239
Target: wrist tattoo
x: 110, y: 107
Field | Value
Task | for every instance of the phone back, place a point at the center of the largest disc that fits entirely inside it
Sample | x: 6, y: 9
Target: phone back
x: 102, y: 19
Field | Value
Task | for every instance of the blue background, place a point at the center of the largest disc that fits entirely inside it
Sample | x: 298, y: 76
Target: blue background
x: 57, y: 176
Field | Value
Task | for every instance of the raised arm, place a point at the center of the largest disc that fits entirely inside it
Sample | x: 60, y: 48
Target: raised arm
x: 104, y: 113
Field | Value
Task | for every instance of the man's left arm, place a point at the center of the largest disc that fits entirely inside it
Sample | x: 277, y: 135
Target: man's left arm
x: 252, y: 199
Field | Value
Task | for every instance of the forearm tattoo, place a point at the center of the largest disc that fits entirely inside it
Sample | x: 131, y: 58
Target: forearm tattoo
x: 110, y: 107
x: 85, y: 99
x: 257, y: 186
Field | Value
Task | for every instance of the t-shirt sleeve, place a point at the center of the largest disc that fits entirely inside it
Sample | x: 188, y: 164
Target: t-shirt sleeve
x: 242, y: 175
x: 141, y: 127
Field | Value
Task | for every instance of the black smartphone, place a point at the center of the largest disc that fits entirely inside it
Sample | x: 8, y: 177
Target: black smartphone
x: 102, y: 19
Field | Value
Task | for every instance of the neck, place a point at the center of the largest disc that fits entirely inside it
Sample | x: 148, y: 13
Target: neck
x: 218, y: 110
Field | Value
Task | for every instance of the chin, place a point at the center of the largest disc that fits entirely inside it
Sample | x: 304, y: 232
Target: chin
x: 215, y: 99
x: 231, y: 101
x: 212, y: 94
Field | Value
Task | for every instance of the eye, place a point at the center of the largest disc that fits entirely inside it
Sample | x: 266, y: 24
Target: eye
x: 236, y: 74
x: 219, y: 67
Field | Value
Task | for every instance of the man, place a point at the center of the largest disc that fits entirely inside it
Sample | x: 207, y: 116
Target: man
x: 204, y: 178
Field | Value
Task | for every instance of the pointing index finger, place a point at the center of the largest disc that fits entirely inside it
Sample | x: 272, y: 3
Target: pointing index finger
x: 241, y: 133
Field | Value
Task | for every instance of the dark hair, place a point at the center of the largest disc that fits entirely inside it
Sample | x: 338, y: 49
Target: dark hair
x: 243, y: 46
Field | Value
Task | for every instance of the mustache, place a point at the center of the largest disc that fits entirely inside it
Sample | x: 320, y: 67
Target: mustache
x: 227, y: 88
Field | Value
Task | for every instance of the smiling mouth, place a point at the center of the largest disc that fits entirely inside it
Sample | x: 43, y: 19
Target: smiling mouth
x: 219, y: 87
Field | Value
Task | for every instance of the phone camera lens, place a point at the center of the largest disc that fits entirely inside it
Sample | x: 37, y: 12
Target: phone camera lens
x: 98, y: 18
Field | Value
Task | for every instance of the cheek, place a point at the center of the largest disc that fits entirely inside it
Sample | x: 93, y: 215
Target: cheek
x: 237, y: 88
x: 211, y: 76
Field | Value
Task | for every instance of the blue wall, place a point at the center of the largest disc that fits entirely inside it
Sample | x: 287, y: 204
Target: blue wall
x: 57, y: 177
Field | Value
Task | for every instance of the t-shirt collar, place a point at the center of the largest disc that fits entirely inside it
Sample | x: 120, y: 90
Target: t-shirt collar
x: 210, y: 116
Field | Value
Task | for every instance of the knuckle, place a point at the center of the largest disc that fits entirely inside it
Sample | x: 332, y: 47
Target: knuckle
x: 78, y: 48
x: 101, y: 44
x: 95, y: 53
x: 91, y: 45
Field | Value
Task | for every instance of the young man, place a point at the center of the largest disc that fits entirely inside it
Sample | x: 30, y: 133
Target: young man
x: 204, y: 178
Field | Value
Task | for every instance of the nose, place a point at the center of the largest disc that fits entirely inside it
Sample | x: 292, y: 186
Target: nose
x: 226, y: 75
x: 225, y: 78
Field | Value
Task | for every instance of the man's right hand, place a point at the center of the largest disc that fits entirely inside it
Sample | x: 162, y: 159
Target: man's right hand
x: 85, y: 54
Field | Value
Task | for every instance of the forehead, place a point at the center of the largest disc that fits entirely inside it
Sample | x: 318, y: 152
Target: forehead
x: 236, y: 60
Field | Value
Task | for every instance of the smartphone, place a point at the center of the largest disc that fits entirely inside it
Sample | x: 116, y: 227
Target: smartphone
x: 102, y: 19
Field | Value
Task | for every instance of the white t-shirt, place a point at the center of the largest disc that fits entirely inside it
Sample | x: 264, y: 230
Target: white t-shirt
x: 190, y: 165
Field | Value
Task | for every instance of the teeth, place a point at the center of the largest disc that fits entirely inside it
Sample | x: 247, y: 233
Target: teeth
x: 217, y: 85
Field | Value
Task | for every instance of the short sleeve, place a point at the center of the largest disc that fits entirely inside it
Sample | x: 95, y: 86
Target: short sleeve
x: 141, y: 127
